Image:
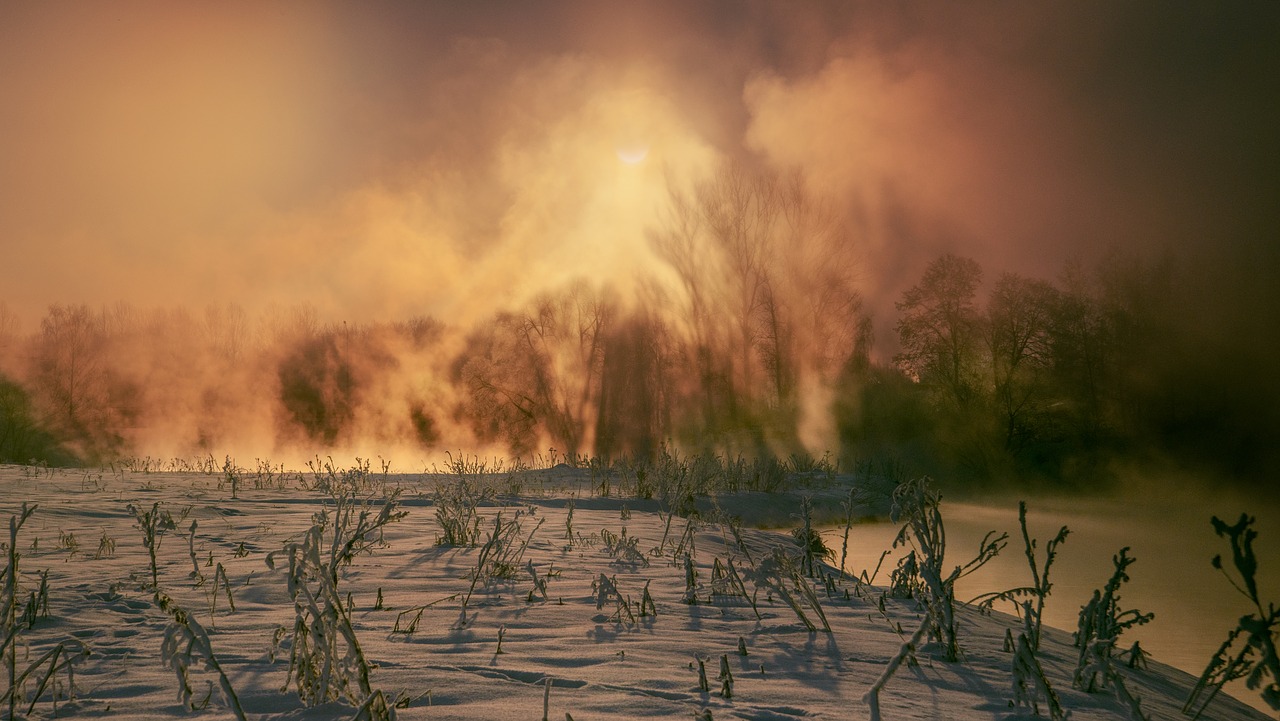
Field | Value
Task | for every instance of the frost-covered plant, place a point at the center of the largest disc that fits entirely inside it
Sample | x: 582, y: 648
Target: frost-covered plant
x: 38, y: 602
x: 266, y: 474
x: 1101, y: 623
x: 326, y: 660
x: 46, y: 668
x: 185, y: 644
x: 153, y: 524
x: 812, y: 548
x: 920, y: 575
x: 905, y: 653
x: 1030, y: 686
x: 648, y: 609
x: 106, y: 547
x: 904, y: 580
x: 848, y: 505
x: 690, y: 581
x: 68, y: 542
x: 220, y: 580
x: 726, y: 677
x: 407, y: 620
x: 622, y: 548
x: 358, y: 480
x: 503, y: 552
x: 231, y: 476
x: 499, y: 558
x: 605, y: 590
x: 779, y: 573
x: 539, y: 589
x: 726, y: 582
x: 1250, y: 649
x: 1038, y: 591
x: 916, y: 505
x: 191, y: 552
x: 687, y: 546
x: 456, y: 505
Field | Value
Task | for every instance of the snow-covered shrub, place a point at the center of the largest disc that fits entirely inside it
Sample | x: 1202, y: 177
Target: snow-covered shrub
x: 812, y: 548
x: 231, y: 477
x: 779, y: 573
x: 1250, y: 649
x: 1101, y: 623
x: 185, y: 644
x: 456, y: 505
x: 916, y: 505
x: 153, y: 524
x: 622, y: 548
x: 359, y: 480
x: 499, y: 558
x: 326, y: 661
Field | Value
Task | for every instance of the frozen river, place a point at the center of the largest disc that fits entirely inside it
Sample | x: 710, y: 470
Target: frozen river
x: 1170, y: 535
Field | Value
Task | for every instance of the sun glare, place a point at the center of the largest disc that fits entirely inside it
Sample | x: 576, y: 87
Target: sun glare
x: 633, y: 154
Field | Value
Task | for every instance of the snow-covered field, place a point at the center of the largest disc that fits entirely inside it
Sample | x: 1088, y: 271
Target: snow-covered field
x: 541, y: 616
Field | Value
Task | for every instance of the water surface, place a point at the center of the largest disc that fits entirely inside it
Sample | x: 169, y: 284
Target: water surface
x: 1170, y: 536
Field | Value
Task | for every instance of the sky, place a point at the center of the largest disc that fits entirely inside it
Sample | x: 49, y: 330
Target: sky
x: 387, y: 160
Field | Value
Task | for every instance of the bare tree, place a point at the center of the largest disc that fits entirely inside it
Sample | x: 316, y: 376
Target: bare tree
x: 679, y: 240
x: 766, y: 269
x: 635, y: 387
x: 9, y: 327
x: 1020, y: 344
x: 539, y: 369
x: 225, y: 329
x: 69, y: 364
x: 568, y: 330
x: 939, y: 329
x: 740, y: 213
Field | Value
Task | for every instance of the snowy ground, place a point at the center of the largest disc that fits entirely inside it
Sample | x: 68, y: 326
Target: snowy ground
x: 602, y: 662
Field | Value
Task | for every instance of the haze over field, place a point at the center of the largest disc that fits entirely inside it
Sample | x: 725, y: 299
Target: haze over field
x: 237, y: 195
x: 720, y: 263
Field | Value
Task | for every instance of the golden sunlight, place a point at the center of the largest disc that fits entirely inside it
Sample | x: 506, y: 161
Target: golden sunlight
x: 633, y: 153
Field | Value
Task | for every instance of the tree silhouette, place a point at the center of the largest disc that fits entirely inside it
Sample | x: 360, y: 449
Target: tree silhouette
x: 69, y: 366
x: 1019, y: 341
x: 939, y: 330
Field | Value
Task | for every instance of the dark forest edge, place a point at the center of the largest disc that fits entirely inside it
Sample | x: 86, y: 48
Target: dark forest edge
x: 1057, y: 385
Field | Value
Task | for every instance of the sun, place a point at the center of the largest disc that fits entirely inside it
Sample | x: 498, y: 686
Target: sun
x: 633, y: 153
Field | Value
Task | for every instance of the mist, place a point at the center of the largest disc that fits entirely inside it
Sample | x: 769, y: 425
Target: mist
x: 287, y: 229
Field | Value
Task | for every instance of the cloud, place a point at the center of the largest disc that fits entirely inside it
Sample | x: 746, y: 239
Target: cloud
x: 209, y: 166
x: 427, y: 158
x: 1027, y: 138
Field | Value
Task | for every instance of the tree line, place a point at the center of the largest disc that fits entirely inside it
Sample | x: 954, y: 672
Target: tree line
x: 1119, y: 367
x: 750, y: 334
x: 755, y: 303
